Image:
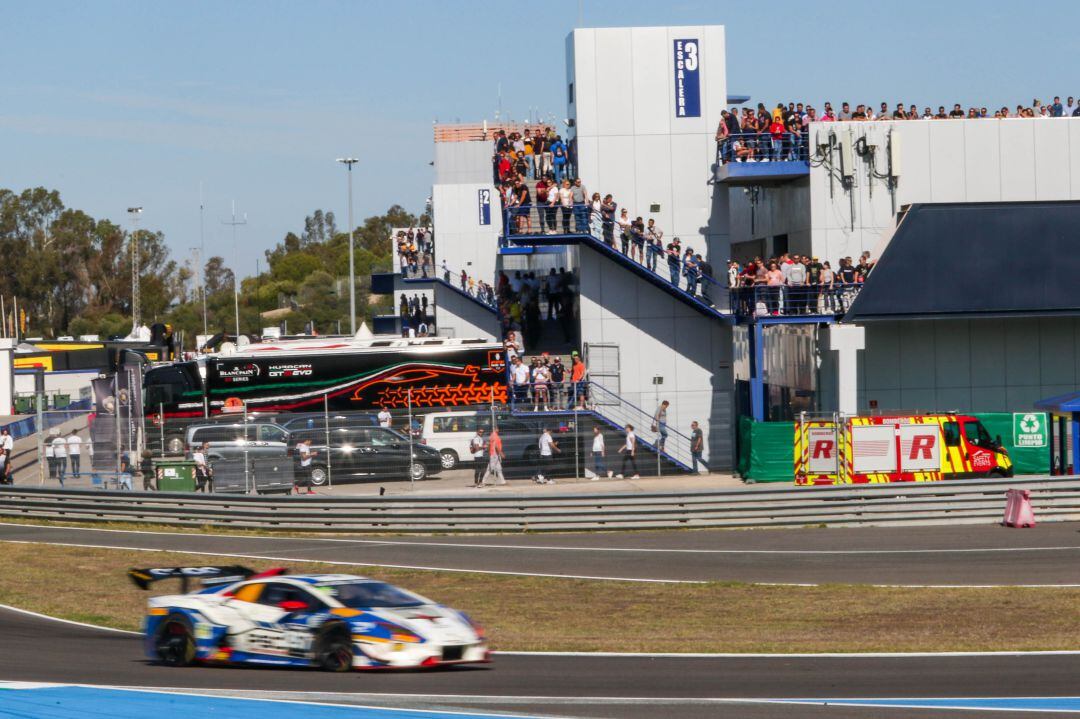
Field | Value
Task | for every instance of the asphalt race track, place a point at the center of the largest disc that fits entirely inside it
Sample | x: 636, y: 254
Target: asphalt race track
x: 41, y: 650
x: 37, y: 649
x: 922, y: 556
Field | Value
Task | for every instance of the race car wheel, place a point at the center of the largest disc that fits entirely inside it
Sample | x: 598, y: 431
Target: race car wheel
x: 319, y: 476
x: 448, y: 458
x: 334, y: 648
x: 175, y: 641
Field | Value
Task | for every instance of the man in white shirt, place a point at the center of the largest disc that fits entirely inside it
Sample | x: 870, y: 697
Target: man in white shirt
x: 598, y: 454
x: 202, y: 467
x: 50, y: 458
x: 629, y: 452
x: 385, y: 419
x: 74, y: 450
x: 59, y: 445
x: 7, y: 445
x: 519, y: 375
x: 476, y: 448
x: 303, y: 477
x: 548, y: 447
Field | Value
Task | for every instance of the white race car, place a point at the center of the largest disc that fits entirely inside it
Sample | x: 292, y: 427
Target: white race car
x: 334, y: 622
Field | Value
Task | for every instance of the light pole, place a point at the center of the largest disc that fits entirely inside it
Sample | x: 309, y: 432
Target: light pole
x: 133, y: 212
x: 349, y: 162
x: 236, y: 281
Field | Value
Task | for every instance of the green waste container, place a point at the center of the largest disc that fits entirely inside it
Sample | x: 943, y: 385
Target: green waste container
x: 24, y: 405
x: 60, y: 401
x: 175, y: 476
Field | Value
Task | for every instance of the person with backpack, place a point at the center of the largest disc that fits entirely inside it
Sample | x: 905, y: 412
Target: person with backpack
x: 558, y: 159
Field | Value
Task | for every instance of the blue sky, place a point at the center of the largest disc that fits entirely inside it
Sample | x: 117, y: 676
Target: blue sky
x: 137, y: 103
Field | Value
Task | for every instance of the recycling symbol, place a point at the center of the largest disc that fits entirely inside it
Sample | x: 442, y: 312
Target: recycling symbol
x: 1029, y: 423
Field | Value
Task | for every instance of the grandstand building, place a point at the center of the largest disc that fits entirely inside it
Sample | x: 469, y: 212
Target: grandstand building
x: 971, y: 305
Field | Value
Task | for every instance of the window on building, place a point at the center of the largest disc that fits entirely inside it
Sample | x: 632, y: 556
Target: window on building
x: 570, y: 93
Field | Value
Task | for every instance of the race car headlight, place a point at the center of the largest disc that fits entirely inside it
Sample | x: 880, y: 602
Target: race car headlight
x: 400, y: 634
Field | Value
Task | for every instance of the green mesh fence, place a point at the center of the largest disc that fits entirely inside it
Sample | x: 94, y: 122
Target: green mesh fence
x: 766, y: 450
x: 1026, y: 460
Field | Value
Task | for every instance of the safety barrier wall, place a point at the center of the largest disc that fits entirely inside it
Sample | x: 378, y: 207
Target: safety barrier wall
x: 953, y: 502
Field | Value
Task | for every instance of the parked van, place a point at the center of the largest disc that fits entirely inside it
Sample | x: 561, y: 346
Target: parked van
x: 450, y: 432
x: 237, y: 440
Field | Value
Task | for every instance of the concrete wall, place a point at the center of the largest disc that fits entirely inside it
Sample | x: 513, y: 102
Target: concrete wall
x: 632, y: 144
x: 1010, y: 160
x: 659, y: 335
x: 460, y: 239
x: 778, y: 210
x: 463, y: 162
x: 457, y: 316
x: 967, y: 365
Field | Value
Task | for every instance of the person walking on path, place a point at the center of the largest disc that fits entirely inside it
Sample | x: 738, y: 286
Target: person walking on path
x: 7, y: 444
x: 59, y: 445
x: 629, y: 453
x: 203, y: 471
x: 476, y: 448
x: 599, y: 455
x: 697, y: 445
x: 74, y: 450
x: 146, y: 468
x: 660, y: 424
x: 303, y: 477
x: 495, y: 458
x: 50, y: 458
x: 548, y: 447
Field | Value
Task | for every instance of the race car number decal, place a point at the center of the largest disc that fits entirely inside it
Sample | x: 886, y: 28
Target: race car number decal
x: 288, y: 643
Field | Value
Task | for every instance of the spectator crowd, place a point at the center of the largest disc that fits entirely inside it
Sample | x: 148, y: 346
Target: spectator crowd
x: 783, y: 133
x: 794, y: 284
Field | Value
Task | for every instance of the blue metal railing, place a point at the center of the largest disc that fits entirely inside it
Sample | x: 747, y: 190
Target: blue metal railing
x: 793, y: 300
x: 527, y: 222
x: 763, y: 147
x: 524, y: 221
x: 604, y: 404
x: 460, y: 281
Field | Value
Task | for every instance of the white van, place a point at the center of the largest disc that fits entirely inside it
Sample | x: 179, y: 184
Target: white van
x: 449, y: 433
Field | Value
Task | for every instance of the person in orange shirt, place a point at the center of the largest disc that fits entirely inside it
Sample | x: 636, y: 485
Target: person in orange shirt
x: 578, y: 374
x: 495, y: 457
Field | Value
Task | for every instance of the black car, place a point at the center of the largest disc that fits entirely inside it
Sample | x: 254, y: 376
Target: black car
x: 364, y: 453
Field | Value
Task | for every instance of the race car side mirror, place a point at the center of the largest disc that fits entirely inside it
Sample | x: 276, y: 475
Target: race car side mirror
x: 292, y: 605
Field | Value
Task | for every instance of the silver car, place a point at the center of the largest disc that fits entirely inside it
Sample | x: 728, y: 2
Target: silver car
x: 238, y: 440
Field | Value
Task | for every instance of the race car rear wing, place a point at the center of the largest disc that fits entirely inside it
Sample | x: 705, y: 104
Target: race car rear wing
x: 209, y: 576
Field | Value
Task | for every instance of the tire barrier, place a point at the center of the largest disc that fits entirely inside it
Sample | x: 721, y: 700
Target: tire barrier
x: 953, y: 502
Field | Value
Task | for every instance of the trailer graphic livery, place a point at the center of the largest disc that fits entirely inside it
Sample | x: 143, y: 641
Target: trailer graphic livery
x: 350, y: 375
x: 910, y: 448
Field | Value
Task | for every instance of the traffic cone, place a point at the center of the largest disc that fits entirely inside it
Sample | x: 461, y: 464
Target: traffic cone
x: 1018, y: 512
